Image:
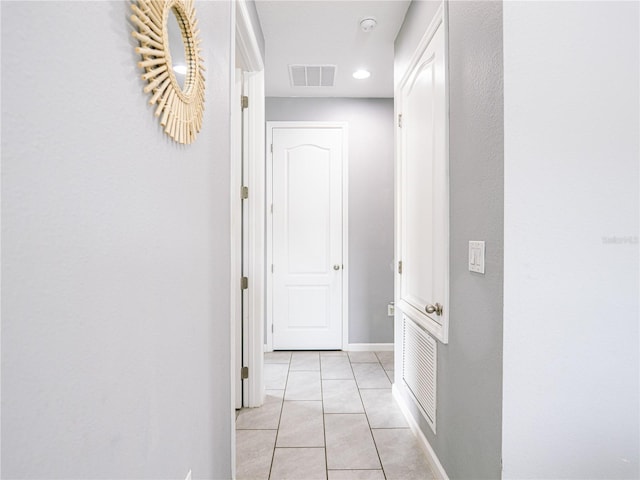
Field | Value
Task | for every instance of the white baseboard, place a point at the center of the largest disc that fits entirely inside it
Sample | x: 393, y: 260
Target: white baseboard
x: 369, y: 347
x: 434, y: 462
x: 360, y: 347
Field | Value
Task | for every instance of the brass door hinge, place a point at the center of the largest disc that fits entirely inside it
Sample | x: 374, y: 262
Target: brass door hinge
x: 245, y: 283
x: 245, y: 193
x: 244, y: 374
x: 245, y: 102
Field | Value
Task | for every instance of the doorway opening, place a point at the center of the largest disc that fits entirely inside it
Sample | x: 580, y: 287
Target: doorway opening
x: 247, y: 219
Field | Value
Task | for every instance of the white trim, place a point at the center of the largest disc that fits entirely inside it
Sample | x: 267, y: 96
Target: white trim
x: 369, y: 347
x: 439, y: 330
x: 345, y: 232
x: 432, y: 458
x: 243, y: 213
x: 269, y: 239
x: 246, y: 40
x: 236, y: 235
x: 345, y: 221
x: 255, y: 178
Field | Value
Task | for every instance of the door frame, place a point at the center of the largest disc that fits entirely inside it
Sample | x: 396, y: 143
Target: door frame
x: 344, y: 126
x: 255, y: 238
x: 235, y: 221
x: 244, y: 43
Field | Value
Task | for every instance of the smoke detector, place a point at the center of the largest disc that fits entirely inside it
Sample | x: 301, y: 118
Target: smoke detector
x: 368, y: 24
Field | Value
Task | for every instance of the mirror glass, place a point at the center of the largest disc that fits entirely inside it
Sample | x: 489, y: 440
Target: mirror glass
x: 177, y: 48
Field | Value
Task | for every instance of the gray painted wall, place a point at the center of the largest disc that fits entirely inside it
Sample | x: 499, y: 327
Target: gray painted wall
x: 468, y: 440
x: 370, y: 203
x: 115, y: 255
x: 571, y: 365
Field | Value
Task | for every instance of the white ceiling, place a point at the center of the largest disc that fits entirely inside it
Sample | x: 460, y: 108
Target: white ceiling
x: 324, y: 32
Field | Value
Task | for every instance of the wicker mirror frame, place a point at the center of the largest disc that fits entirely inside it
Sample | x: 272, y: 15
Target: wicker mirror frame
x: 180, y: 109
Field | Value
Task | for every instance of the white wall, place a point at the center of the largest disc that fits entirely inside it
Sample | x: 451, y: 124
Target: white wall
x: 571, y: 183
x: 370, y: 203
x: 115, y: 254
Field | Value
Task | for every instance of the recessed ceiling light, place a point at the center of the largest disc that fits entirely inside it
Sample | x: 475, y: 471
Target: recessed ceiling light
x: 361, y: 74
x: 181, y: 69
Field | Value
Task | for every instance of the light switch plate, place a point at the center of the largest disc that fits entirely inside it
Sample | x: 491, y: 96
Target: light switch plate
x: 476, y: 256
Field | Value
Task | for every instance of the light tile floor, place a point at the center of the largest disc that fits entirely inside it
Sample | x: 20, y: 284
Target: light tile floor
x: 328, y: 415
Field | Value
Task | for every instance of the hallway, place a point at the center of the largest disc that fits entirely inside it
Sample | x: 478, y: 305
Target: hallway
x: 328, y: 415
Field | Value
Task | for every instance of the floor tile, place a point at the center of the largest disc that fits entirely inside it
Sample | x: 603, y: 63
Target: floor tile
x: 254, y: 450
x: 390, y: 375
x: 301, y: 425
x: 265, y: 417
x: 363, y: 357
x: 303, y: 386
x: 382, y: 409
x: 341, y: 396
x: 335, y: 368
x: 370, y: 375
x: 277, y: 357
x: 328, y: 414
x: 275, y: 376
x: 356, y: 475
x: 402, y: 458
x: 301, y: 361
x: 299, y: 463
x: 349, y: 443
x: 386, y: 359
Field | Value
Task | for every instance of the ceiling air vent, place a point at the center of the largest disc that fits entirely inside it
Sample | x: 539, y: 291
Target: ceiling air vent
x: 312, y: 75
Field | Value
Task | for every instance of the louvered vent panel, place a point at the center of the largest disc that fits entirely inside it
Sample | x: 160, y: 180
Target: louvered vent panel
x: 312, y: 75
x: 298, y: 74
x: 419, y: 367
x: 328, y: 75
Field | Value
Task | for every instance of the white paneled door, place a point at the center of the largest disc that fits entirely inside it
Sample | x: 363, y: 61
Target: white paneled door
x: 423, y: 188
x: 307, y: 241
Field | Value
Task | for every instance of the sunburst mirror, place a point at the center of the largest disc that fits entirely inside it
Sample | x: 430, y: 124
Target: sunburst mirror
x: 169, y: 47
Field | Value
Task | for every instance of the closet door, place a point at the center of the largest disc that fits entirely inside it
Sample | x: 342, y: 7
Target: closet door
x: 424, y: 189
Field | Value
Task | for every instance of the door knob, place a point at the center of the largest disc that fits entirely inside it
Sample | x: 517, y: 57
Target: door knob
x: 336, y: 267
x: 437, y: 309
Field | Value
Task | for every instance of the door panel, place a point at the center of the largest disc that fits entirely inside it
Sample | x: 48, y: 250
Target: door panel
x: 307, y: 238
x: 298, y: 301
x: 308, y: 241
x: 424, y: 202
x: 236, y: 225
